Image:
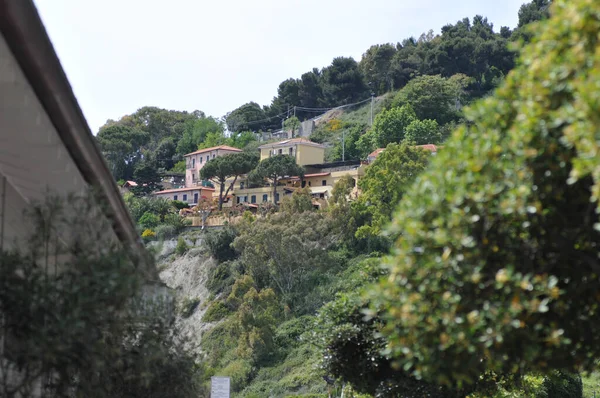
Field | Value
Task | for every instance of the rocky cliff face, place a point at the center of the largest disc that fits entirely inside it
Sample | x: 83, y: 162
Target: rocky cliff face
x: 187, y: 275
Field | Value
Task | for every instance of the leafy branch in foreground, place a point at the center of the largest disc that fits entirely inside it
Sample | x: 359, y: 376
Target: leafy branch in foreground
x: 497, y: 265
x: 77, y: 318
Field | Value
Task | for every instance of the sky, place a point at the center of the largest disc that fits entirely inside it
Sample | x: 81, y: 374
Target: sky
x: 215, y: 55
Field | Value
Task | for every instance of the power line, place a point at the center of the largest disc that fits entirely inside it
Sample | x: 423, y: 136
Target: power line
x: 304, y: 109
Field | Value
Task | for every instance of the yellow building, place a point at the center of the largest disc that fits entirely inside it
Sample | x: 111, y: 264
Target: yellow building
x: 320, y: 177
x: 304, y: 151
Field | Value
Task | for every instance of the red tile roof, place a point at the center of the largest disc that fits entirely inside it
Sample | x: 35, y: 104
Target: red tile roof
x: 429, y: 147
x: 130, y: 183
x: 376, y: 152
x: 185, y: 189
x: 215, y: 148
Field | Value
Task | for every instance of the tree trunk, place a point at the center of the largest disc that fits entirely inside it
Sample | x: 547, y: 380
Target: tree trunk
x: 221, y: 198
x: 229, y: 188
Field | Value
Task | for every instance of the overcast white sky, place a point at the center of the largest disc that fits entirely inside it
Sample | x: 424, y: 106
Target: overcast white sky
x: 216, y: 55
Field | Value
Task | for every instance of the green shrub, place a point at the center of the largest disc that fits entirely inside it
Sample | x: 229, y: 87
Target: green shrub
x: 188, y: 306
x: 561, y: 385
x: 287, y: 335
x: 181, y: 247
x: 149, y: 220
x: 239, y: 371
x: 165, y: 231
x: 220, y: 277
x: 219, y: 243
x: 179, y: 204
x: 215, y: 312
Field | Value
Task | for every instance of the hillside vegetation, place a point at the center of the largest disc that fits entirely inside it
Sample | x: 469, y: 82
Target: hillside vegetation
x: 470, y: 273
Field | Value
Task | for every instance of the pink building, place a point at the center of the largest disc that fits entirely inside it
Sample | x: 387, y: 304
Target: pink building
x: 195, y: 160
x: 194, y: 189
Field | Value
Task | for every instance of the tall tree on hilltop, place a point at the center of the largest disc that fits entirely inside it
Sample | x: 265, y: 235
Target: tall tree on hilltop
x: 247, y: 117
x: 310, y: 92
x: 122, y: 148
x: 375, y: 66
x: 343, y: 82
x: 275, y: 168
x: 221, y: 169
x: 432, y: 97
x: 195, y: 133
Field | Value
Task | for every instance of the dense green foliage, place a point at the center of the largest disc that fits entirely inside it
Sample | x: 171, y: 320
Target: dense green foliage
x: 75, y: 316
x: 497, y: 265
x: 157, y: 214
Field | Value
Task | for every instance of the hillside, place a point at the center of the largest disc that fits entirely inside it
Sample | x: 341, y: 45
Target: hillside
x: 431, y: 280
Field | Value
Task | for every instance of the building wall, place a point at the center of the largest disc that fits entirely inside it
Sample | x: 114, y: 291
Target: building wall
x: 189, y: 195
x: 304, y: 154
x: 310, y: 155
x: 245, y: 195
x: 193, y: 164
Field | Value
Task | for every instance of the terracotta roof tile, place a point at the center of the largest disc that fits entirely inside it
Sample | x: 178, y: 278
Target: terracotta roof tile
x: 223, y: 147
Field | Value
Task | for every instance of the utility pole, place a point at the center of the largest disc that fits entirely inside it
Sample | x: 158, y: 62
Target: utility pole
x: 372, y: 99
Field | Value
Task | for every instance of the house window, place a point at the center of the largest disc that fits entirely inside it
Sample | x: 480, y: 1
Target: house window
x: 174, y: 197
x: 291, y: 151
x: 242, y: 185
x: 238, y: 199
x: 184, y: 197
x: 309, y: 184
x: 195, y: 198
x: 324, y: 182
x: 277, y: 197
x: 265, y: 197
x: 213, y: 155
x: 193, y: 163
x: 281, y: 151
x: 253, y: 199
x: 303, y: 184
x: 200, y: 159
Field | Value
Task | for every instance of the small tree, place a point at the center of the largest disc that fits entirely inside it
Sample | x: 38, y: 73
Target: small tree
x: 421, y: 132
x: 299, y: 202
x: 386, y: 181
x: 292, y: 124
x: 223, y: 168
x: 203, y: 209
x: 277, y: 167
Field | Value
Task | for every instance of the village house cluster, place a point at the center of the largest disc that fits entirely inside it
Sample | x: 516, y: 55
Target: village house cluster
x: 320, y: 177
